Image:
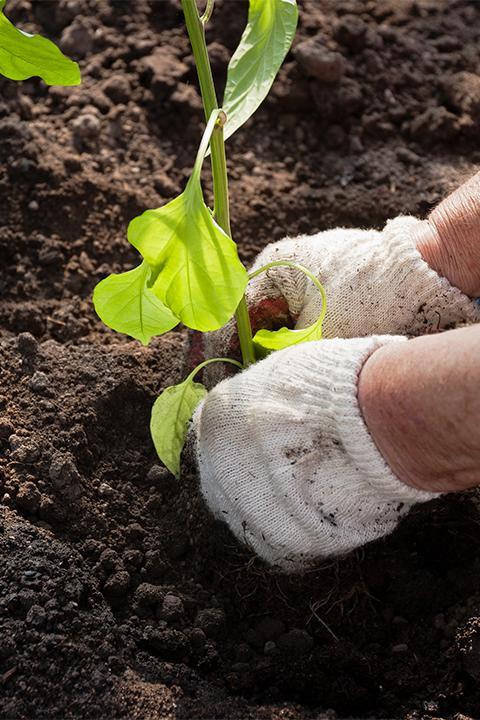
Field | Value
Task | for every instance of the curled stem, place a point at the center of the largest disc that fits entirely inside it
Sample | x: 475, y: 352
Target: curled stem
x: 303, y: 269
x: 207, y: 14
x: 212, y: 360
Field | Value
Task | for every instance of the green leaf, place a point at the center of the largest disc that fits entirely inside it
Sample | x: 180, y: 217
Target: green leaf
x: 279, y: 339
x: 267, y: 340
x: 198, y: 272
x: 23, y: 56
x: 171, y: 414
x: 125, y: 303
x: 255, y: 63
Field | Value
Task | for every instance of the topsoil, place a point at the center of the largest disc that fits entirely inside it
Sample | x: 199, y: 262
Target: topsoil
x: 119, y: 596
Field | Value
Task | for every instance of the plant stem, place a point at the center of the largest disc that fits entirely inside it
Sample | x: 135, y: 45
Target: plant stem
x: 212, y: 360
x: 196, y: 33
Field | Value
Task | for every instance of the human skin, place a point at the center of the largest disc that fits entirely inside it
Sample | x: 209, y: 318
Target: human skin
x: 421, y: 399
x: 421, y: 403
x: 449, y: 239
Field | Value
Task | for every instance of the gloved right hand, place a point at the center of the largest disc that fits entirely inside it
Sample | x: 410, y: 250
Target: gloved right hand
x: 375, y: 282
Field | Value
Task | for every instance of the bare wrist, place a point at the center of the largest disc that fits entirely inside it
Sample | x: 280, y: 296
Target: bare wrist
x: 419, y: 403
x: 449, y: 240
x: 445, y: 254
x: 380, y: 402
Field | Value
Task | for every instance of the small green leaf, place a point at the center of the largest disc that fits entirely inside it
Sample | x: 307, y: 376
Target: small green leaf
x: 198, y: 272
x: 171, y: 414
x: 267, y: 340
x: 255, y: 63
x: 23, y: 56
x: 125, y: 303
x: 279, y: 339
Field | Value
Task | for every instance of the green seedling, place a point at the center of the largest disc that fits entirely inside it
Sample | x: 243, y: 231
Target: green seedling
x: 190, y: 271
x: 24, y: 56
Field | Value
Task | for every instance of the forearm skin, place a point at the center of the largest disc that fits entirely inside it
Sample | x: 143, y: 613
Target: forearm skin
x: 421, y: 403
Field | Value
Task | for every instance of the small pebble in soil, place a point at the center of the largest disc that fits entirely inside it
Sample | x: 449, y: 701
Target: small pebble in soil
x: 118, y: 88
x: 25, y: 450
x: 86, y: 127
x: 36, y: 617
x: 400, y: 648
x: 162, y: 479
x: 146, y: 599
x: 105, y: 490
x: 172, y: 608
x: 320, y: 62
x: 117, y: 585
x: 110, y: 560
x: 77, y: 39
x: 64, y: 475
x: 132, y: 558
x: 27, y: 345
x: 350, y: 32
x: 6, y: 428
x: 39, y: 383
x: 28, y: 498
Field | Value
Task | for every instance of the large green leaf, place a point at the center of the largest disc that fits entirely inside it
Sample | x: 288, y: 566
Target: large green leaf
x: 198, y: 273
x: 171, y: 414
x: 255, y: 63
x: 125, y: 303
x: 23, y: 56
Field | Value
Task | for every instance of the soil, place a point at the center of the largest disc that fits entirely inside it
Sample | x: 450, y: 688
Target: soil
x: 119, y: 596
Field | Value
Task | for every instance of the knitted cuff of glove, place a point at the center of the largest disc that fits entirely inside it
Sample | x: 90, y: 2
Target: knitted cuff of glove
x: 422, y: 283
x: 345, y: 370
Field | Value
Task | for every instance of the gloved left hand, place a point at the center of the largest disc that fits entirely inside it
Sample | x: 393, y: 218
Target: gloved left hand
x: 286, y: 460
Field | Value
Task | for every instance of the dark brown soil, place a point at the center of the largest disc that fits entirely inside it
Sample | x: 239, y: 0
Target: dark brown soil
x: 119, y: 596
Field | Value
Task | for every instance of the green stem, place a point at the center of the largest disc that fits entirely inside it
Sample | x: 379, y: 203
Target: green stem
x: 216, y: 115
x: 212, y: 360
x: 196, y: 33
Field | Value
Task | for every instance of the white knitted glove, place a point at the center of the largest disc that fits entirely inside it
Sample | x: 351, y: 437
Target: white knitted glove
x: 376, y: 282
x: 287, y: 461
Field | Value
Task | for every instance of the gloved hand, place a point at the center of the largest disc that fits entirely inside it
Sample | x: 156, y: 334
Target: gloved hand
x: 286, y: 460
x: 285, y: 457
x: 375, y: 282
